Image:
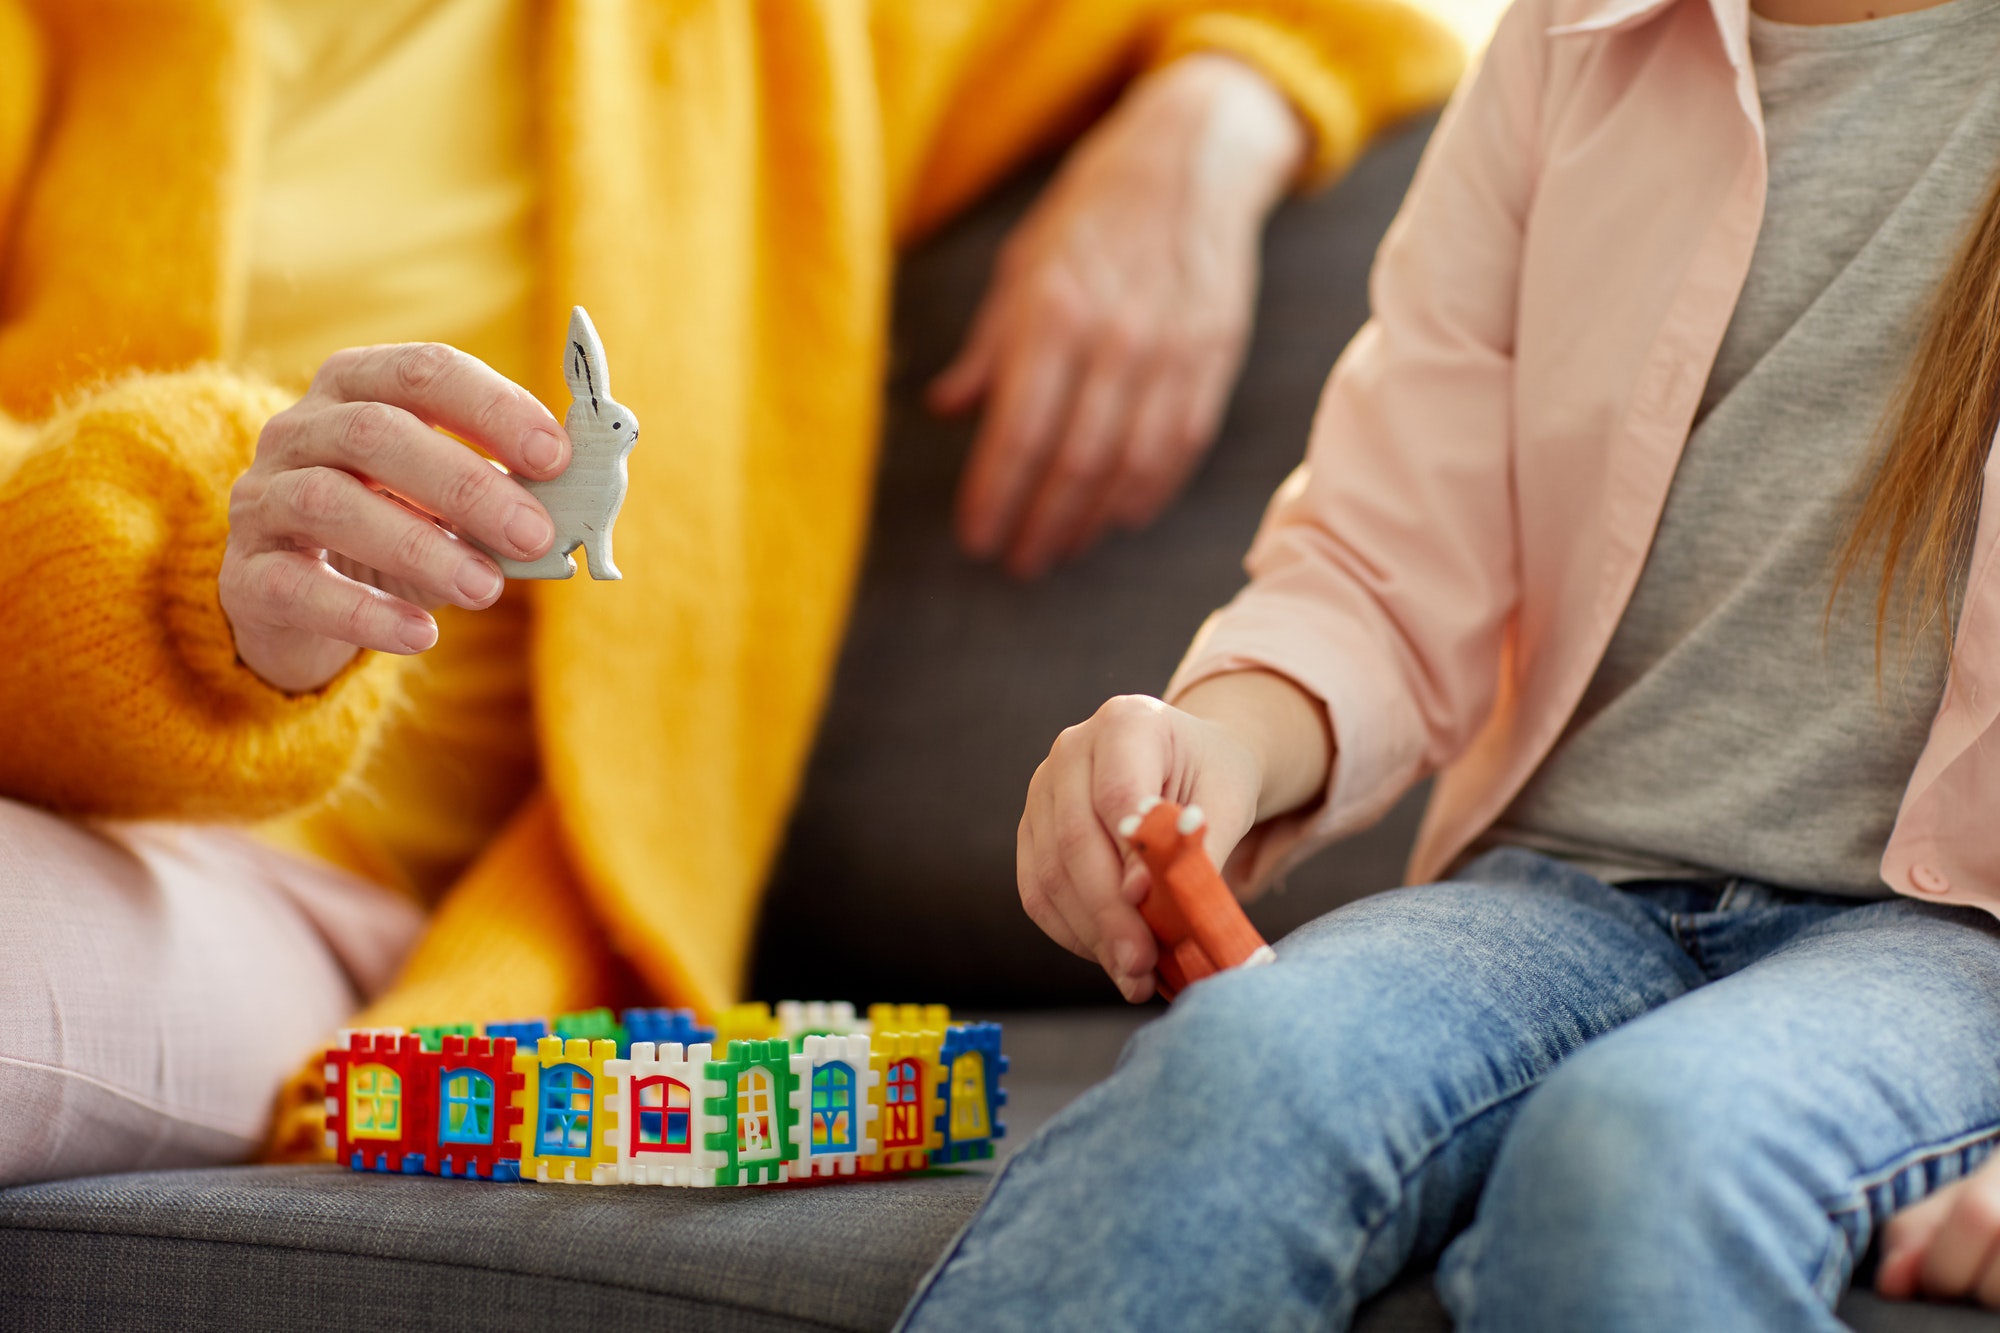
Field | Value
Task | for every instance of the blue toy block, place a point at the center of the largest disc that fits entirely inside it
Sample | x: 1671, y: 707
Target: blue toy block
x: 413, y: 1164
x: 525, y: 1031
x: 973, y: 1065
x: 662, y: 1027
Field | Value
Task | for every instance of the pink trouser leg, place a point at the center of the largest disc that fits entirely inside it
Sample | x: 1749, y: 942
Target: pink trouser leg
x: 159, y: 982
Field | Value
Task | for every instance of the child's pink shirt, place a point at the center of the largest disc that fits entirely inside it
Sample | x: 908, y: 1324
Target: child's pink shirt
x: 1493, y: 450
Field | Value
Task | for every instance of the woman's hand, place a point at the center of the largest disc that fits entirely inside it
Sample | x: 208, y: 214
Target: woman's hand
x: 1946, y: 1245
x: 1244, y: 747
x: 341, y: 533
x: 1118, y: 314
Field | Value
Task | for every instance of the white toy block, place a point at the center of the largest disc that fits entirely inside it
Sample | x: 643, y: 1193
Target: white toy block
x: 796, y: 1018
x: 585, y: 498
x: 817, y: 1053
x: 661, y: 1164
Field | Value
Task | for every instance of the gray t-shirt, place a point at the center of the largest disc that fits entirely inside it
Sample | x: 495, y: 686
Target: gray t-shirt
x: 1732, y: 729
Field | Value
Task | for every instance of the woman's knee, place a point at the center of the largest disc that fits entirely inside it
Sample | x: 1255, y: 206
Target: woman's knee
x: 152, y: 998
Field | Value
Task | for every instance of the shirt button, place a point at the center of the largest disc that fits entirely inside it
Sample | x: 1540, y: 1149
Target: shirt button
x: 1929, y: 879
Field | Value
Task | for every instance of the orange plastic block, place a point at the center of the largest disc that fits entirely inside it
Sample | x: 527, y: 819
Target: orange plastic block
x: 1200, y: 926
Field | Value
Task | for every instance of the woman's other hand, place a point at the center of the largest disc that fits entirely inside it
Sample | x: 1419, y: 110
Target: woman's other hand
x: 342, y: 531
x: 1947, y: 1245
x: 1106, y: 347
x: 1244, y: 747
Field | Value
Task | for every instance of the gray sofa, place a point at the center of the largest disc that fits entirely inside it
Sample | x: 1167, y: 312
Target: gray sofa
x: 896, y: 882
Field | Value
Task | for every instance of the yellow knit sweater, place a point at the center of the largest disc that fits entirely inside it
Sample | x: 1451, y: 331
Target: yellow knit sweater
x: 723, y: 184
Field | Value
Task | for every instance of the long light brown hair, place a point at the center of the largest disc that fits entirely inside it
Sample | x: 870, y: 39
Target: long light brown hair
x: 1916, y: 520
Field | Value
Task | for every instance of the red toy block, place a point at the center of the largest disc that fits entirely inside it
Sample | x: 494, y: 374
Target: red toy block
x: 1199, y: 924
x: 473, y: 1121
x: 381, y: 1102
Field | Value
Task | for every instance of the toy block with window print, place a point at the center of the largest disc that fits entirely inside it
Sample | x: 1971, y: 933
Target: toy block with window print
x: 478, y: 1100
x: 909, y: 1095
x: 833, y: 1106
x: 746, y: 1022
x: 756, y: 1138
x: 664, y: 1027
x: 380, y: 1113
x: 908, y: 1018
x: 662, y: 1093
x: 973, y: 1096
x: 568, y: 1126
x: 824, y: 1018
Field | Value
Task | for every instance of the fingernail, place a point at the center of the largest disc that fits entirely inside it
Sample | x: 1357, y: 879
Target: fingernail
x: 418, y: 633
x: 543, y: 449
x: 527, y: 529
x: 478, y: 581
x: 1125, y: 959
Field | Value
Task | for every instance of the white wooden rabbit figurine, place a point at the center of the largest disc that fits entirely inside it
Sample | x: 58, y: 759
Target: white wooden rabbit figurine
x: 584, y: 500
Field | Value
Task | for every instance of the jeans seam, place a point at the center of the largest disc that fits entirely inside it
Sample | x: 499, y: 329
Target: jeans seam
x: 1372, y: 1230
x: 1856, y: 1198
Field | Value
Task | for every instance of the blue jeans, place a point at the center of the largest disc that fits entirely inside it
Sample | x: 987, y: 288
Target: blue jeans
x: 1675, y: 1106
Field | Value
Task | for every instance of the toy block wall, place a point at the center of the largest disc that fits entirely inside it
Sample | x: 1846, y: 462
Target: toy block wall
x: 906, y: 1131
x: 972, y: 1065
x: 662, y: 1161
x: 568, y: 1117
x: 755, y: 1104
x: 833, y: 1109
x: 499, y: 1157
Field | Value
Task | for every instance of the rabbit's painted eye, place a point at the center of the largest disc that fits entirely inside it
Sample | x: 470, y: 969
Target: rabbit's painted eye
x: 617, y: 425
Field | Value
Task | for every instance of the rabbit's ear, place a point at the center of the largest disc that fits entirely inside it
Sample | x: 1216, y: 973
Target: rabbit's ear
x: 583, y: 364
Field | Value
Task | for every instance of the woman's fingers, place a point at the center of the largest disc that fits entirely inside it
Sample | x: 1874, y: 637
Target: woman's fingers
x: 299, y: 592
x: 395, y: 450
x: 1030, y: 398
x: 965, y: 381
x: 445, y: 387
x: 1083, y: 464
x: 323, y: 507
x: 1143, y: 458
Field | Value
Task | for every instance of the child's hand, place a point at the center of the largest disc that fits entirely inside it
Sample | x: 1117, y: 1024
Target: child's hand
x: 1244, y: 747
x: 1947, y: 1245
x: 341, y: 533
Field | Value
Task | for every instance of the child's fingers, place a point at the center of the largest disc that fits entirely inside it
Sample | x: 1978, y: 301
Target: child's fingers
x: 1906, y: 1240
x: 1037, y: 876
x: 1963, y: 1246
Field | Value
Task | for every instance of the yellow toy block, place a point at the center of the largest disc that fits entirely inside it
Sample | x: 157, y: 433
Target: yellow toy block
x: 909, y: 1093
x: 569, y: 1127
x: 908, y: 1018
x: 746, y: 1022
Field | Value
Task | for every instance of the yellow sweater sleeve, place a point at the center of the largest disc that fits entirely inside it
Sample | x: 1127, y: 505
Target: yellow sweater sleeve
x: 968, y: 92
x: 118, y: 671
